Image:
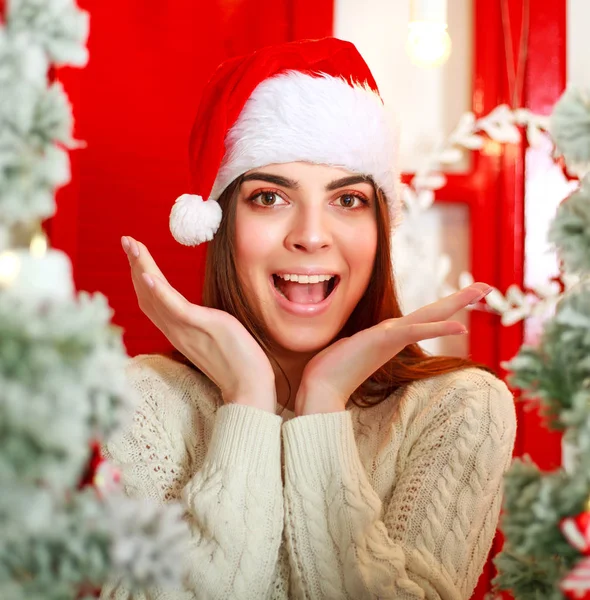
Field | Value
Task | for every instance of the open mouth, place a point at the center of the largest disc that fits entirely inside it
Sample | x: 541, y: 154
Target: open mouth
x: 305, y: 289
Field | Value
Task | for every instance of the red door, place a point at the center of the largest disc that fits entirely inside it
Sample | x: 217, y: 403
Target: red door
x: 495, y: 188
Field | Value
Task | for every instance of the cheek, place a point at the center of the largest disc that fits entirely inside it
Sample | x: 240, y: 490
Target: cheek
x: 361, y: 253
x: 255, y: 245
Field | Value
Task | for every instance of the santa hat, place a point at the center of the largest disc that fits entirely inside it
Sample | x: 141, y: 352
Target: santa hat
x: 314, y: 101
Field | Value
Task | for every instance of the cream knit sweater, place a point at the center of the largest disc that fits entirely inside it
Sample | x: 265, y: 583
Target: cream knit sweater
x: 400, y: 500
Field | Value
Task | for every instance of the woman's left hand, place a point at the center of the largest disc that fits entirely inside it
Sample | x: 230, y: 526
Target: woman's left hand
x: 330, y: 377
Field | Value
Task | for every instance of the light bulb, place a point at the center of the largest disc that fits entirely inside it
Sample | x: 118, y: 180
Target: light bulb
x: 429, y: 43
x: 10, y: 266
x: 38, y: 246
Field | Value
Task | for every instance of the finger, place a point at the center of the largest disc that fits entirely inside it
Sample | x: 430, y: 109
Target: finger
x: 417, y: 332
x: 140, y: 259
x: 169, y: 302
x: 377, y: 345
x: 139, y: 256
x: 155, y: 303
x: 446, y: 307
x: 147, y: 302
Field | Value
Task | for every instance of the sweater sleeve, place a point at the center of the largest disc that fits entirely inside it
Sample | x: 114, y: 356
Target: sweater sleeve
x: 432, y: 537
x: 233, y: 503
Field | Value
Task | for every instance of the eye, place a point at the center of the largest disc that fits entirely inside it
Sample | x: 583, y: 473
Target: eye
x: 352, y: 200
x: 267, y: 199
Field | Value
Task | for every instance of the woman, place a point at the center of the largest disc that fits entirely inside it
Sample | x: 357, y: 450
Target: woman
x: 389, y: 480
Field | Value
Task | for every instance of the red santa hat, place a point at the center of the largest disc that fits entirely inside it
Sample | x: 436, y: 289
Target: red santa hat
x: 314, y: 101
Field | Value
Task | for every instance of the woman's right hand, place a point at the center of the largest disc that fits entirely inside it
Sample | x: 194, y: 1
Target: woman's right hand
x: 213, y: 340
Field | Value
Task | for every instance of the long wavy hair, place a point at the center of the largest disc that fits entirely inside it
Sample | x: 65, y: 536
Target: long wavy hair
x: 222, y: 290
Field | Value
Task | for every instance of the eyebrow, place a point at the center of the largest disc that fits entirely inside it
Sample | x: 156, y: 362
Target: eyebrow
x: 294, y: 185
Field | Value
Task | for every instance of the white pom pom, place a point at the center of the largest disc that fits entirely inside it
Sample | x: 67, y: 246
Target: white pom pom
x: 194, y: 221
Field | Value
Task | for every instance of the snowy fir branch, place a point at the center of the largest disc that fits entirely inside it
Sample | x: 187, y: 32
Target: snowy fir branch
x: 36, y: 119
x: 557, y: 371
x: 536, y: 555
x: 78, y: 544
x: 546, y: 519
x: 65, y: 528
x: 570, y: 129
x: 570, y: 230
x: 529, y: 578
x: 55, y: 355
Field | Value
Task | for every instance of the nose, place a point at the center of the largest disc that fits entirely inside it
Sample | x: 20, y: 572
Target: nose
x: 310, y: 231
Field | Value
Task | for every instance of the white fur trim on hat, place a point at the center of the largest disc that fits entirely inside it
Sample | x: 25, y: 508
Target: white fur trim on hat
x: 193, y: 221
x: 324, y: 120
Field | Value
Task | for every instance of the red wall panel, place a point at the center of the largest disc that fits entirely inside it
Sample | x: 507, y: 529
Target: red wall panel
x: 134, y: 104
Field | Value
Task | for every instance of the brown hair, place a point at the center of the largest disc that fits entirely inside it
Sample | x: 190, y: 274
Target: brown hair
x: 222, y: 290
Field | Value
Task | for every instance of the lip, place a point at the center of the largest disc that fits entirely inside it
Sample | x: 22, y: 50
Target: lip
x: 303, y: 310
x: 306, y: 271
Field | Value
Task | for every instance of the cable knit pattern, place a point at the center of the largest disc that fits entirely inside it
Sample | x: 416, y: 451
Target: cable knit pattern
x: 400, y: 500
x: 449, y: 442
x: 222, y: 462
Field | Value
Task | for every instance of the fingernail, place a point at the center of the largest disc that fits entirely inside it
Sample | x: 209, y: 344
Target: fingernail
x: 148, y: 280
x: 125, y: 244
x: 482, y: 295
x: 134, y: 247
x: 458, y: 329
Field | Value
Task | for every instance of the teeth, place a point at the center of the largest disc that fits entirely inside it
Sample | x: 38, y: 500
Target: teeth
x: 306, y: 278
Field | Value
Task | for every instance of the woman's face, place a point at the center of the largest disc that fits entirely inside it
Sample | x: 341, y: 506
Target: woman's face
x: 314, y: 222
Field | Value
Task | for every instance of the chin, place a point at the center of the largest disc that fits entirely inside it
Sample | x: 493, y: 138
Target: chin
x: 310, y: 327
x: 302, y: 339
